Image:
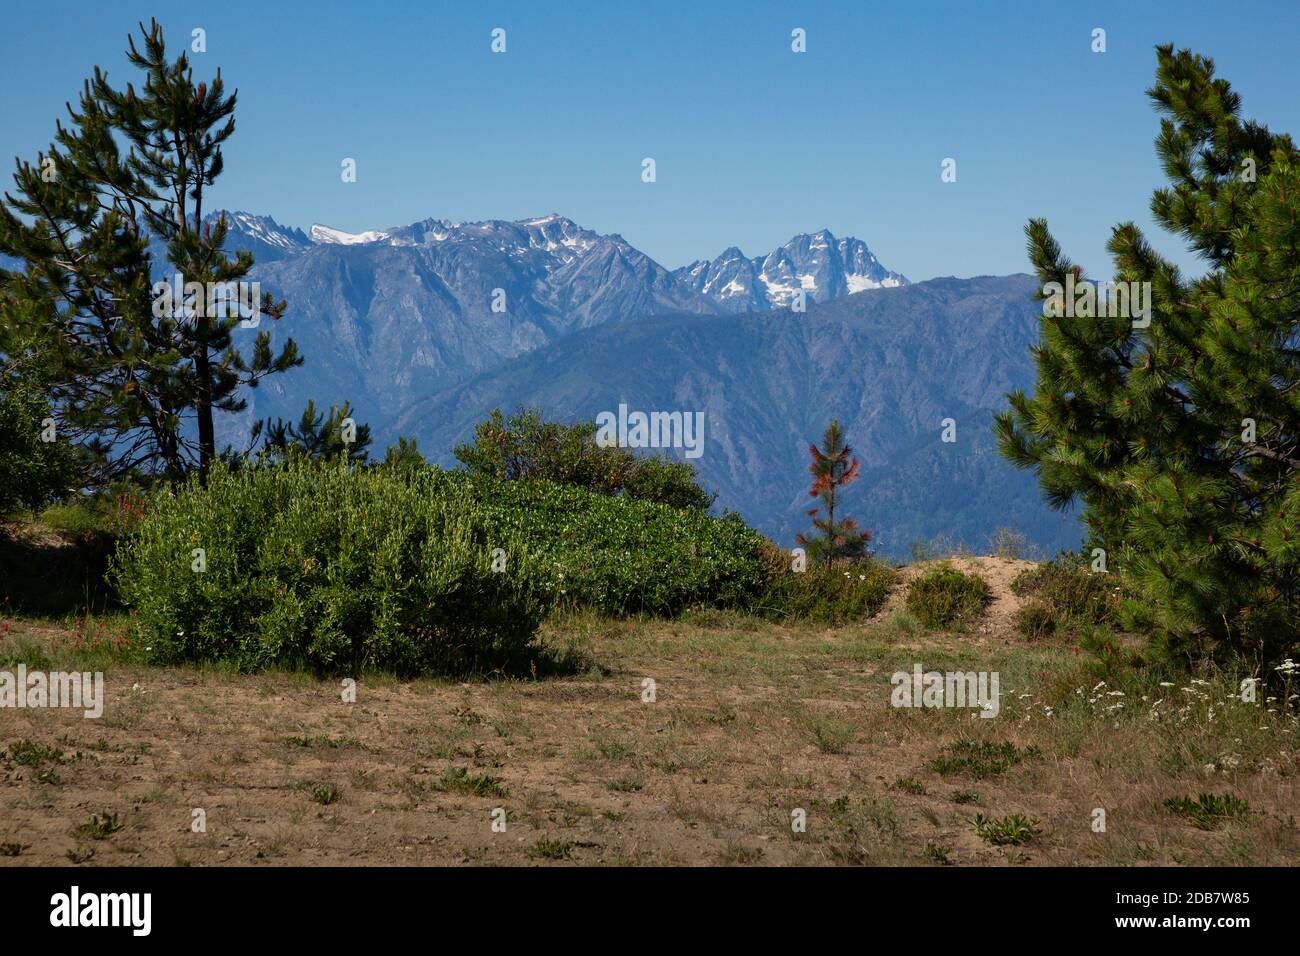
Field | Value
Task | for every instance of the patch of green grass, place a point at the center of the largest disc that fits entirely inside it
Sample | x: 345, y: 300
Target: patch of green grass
x: 613, y: 749
x: 937, y: 853
x: 1208, y: 810
x: 965, y: 797
x: 545, y: 849
x: 30, y: 754
x: 100, y: 827
x: 13, y: 849
x: 27, y: 651
x: 908, y: 785
x: 633, y: 784
x: 901, y: 625
x: 945, y: 597
x: 980, y: 759
x: 460, y: 780
x: 831, y: 736
x: 1036, y: 621
x: 1013, y: 830
x: 321, y: 741
x: 325, y: 794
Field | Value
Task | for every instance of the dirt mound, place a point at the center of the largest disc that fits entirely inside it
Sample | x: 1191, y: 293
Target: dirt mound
x: 999, y: 619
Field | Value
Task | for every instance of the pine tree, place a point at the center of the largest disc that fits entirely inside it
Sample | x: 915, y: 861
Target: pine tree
x: 405, y: 456
x: 319, y: 435
x: 139, y: 388
x: 1181, y: 439
x: 833, y: 467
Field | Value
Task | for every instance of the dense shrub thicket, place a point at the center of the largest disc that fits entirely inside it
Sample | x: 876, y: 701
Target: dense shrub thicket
x: 1063, y: 596
x: 329, y: 568
x: 620, y: 555
x: 833, y: 592
x: 333, y: 568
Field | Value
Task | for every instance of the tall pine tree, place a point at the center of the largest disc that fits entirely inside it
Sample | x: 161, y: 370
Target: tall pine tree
x: 1181, y: 439
x: 132, y: 166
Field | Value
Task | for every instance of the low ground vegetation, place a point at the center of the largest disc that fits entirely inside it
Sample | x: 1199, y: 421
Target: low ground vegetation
x: 751, y: 720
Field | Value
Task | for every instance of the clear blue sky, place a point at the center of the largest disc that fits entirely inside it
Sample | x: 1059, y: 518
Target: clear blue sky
x: 753, y: 143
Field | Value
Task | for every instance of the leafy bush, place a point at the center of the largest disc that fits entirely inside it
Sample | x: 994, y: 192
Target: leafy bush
x: 330, y: 568
x: 828, y: 593
x: 944, y: 596
x: 1072, y: 593
x: 33, y: 472
x: 527, y: 446
x: 623, y: 556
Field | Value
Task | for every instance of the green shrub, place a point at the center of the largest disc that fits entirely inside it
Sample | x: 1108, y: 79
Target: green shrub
x: 623, y: 556
x: 526, y: 446
x: 1036, y: 620
x: 1070, y: 593
x: 33, y: 471
x: 828, y: 593
x: 980, y: 759
x: 1208, y: 810
x: 329, y: 568
x: 944, y: 596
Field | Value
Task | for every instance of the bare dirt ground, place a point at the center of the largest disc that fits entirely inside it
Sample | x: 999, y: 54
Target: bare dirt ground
x: 751, y: 724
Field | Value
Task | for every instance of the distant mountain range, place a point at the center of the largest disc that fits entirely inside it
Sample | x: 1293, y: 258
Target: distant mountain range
x: 891, y: 364
x: 389, y: 317
x: 401, y: 322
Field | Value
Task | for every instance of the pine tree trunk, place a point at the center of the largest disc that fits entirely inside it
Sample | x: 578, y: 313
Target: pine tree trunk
x: 202, y: 363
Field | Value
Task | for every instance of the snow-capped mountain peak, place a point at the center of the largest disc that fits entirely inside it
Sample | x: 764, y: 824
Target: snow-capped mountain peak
x: 324, y: 234
x: 817, y: 264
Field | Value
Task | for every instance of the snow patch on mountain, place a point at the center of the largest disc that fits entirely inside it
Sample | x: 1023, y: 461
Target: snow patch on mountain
x: 324, y: 234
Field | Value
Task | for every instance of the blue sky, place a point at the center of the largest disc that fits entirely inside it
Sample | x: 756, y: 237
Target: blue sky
x: 753, y: 143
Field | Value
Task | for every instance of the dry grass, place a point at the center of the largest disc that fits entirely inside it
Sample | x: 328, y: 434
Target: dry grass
x: 751, y: 722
